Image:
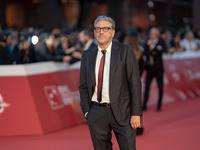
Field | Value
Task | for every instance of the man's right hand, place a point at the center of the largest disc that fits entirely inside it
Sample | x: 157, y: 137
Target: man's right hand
x: 86, y: 115
x: 67, y: 58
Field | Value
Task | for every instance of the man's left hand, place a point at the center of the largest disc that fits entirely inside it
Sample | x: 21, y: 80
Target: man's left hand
x: 135, y: 122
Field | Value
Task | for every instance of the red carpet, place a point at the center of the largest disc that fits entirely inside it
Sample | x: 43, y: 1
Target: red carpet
x: 176, y: 127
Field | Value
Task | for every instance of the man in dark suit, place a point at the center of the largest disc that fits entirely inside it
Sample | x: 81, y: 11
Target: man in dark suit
x: 85, y: 37
x: 153, y: 50
x: 110, y: 89
x: 86, y: 40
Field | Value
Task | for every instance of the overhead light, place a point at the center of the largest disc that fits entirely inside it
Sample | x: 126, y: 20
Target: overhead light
x: 152, y: 17
x: 150, y: 4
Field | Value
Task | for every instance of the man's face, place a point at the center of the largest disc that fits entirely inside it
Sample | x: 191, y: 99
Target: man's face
x: 154, y: 34
x: 81, y: 37
x: 8, y: 40
x: 104, y: 36
x: 190, y: 36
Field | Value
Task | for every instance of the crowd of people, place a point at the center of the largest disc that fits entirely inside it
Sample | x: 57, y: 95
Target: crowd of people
x: 33, y: 45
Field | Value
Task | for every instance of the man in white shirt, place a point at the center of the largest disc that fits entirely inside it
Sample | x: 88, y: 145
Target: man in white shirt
x: 189, y: 43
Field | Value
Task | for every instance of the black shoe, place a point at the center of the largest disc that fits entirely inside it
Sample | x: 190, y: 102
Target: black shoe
x: 158, y: 108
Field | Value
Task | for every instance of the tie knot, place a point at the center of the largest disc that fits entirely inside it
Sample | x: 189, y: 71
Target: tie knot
x: 103, y: 51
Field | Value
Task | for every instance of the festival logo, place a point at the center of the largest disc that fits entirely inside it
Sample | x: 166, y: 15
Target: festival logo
x: 68, y: 97
x: 60, y: 96
x: 53, y: 97
x: 3, y: 105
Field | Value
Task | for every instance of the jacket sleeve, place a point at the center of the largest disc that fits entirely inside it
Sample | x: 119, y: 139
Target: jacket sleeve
x: 83, y: 88
x: 134, y: 83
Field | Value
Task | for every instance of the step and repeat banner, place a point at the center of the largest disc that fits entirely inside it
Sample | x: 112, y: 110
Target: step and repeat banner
x: 40, y: 98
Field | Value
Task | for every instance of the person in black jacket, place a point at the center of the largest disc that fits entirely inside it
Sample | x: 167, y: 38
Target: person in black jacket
x: 25, y: 51
x: 153, y: 50
x: 133, y: 40
x: 48, y: 51
x: 6, y: 56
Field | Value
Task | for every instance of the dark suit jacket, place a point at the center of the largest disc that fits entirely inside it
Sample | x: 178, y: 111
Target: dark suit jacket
x: 124, y: 82
x: 93, y: 44
x: 158, y: 62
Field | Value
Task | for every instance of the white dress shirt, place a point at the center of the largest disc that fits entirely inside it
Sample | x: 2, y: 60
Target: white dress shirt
x: 189, y: 45
x: 106, y: 75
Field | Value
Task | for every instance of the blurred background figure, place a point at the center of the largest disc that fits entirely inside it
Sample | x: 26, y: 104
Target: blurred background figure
x: 7, y: 55
x: 84, y: 41
x: 48, y: 50
x: 25, y: 51
x: 64, y: 48
x: 133, y: 40
x: 189, y: 43
x: 176, y: 45
x: 166, y: 36
x: 197, y: 36
x: 86, y: 38
x: 153, y: 50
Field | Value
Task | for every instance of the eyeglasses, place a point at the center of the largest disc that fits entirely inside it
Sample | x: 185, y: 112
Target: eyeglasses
x: 105, y: 29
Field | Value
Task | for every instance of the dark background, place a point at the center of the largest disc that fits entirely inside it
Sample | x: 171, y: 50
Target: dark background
x: 74, y: 14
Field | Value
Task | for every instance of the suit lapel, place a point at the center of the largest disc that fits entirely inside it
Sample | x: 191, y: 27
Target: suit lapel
x: 115, y: 58
x: 93, y: 64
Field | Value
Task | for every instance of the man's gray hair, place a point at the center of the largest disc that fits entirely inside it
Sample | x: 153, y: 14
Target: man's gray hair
x: 156, y: 29
x: 109, y: 19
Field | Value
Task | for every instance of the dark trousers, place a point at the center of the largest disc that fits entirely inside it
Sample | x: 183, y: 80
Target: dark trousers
x: 159, y: 77
x: 101, y: 122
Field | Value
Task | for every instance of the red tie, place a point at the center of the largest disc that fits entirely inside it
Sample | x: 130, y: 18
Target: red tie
x: 100, y: 76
